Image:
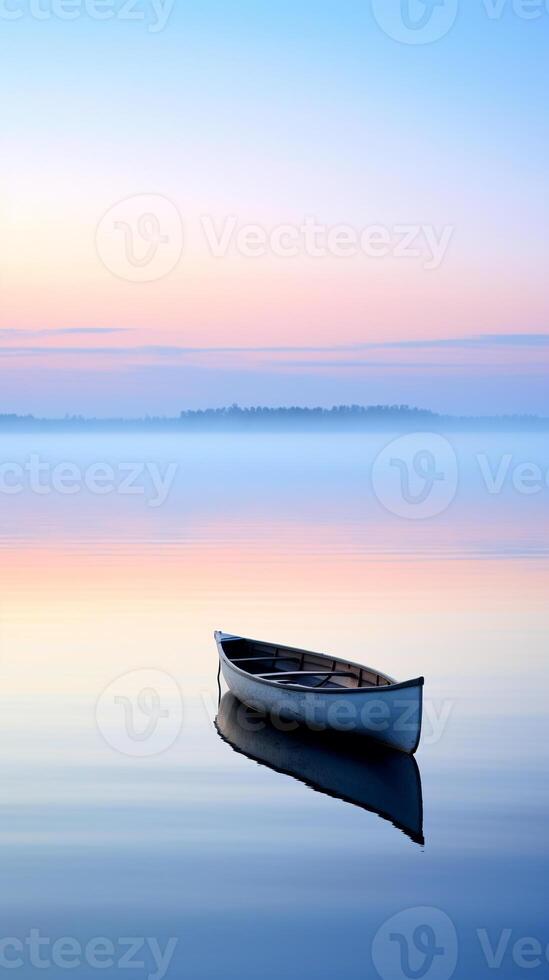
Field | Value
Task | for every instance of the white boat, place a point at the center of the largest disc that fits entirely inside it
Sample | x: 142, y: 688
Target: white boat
x: 321, y: 692
x: 359, y: 771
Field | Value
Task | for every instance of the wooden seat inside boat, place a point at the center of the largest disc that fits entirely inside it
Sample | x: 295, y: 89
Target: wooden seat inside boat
x: 313, y: 679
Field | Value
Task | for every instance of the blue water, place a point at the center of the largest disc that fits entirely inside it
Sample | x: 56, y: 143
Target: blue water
x: 248, y: 871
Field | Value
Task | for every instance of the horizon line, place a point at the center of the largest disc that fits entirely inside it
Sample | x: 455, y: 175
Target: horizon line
x: 235, y: 410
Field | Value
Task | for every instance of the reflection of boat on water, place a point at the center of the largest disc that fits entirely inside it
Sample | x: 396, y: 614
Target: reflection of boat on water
x: 381, y: 780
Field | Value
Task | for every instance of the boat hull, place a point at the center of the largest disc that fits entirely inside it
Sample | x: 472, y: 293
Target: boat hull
x: 392, y: 715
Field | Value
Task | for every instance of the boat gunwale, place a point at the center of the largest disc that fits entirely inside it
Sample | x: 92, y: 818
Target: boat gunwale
x: 300, y: 688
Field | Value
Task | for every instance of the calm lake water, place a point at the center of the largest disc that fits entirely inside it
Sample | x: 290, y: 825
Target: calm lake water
x: 124, y: 813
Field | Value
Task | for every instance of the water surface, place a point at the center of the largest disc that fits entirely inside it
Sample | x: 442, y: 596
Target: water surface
x: 253, y: 871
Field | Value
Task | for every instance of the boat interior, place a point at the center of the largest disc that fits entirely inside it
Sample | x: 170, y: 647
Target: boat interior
x: 289, y: 666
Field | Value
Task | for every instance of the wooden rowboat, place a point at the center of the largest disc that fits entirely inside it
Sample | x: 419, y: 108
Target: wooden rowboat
x: 359, y: 771
x: 322, y: 692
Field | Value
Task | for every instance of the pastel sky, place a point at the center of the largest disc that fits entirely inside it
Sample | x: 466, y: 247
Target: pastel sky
x: 224, y: 128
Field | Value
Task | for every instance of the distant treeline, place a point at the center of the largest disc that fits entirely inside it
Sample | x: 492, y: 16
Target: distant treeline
x: 235, y: 418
